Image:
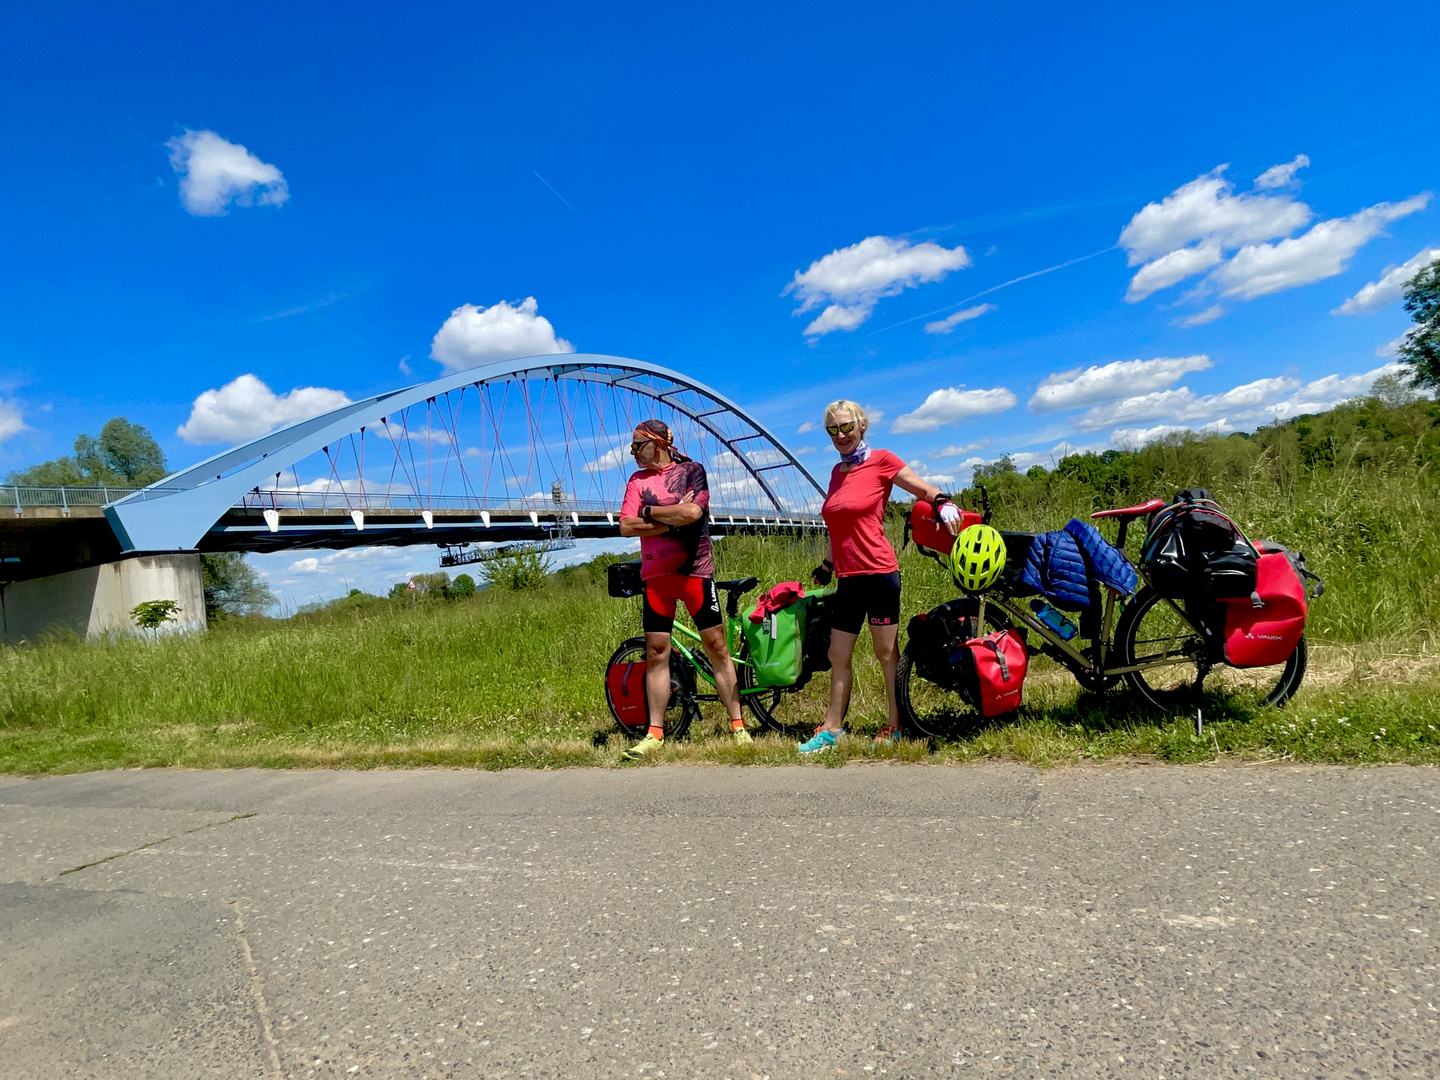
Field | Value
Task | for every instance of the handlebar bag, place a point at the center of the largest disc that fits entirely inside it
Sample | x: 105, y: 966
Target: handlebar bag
x: 1265, y: 630
x: 626, y: 683
x: 929, y: 533
x: 990, y: 671
x: 623, y: 579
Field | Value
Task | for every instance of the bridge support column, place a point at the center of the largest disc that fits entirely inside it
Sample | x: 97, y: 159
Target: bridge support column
x: 97, y: 600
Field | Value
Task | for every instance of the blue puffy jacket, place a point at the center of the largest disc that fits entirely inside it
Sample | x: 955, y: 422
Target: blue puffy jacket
x: 1066, y: 564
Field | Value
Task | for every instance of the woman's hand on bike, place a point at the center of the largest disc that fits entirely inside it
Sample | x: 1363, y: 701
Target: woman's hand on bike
x: 824, y: 573
x: 948, y: 513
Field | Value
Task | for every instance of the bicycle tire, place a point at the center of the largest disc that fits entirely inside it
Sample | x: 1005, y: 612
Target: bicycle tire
x: 682, y: 709
x: 928, y: 710
x: 1149, y: 624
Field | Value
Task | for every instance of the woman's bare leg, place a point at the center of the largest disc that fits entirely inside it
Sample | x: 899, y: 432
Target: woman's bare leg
x: 842, y: 675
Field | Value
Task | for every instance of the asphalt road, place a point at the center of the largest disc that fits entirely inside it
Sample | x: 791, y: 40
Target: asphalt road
x: 691, y: 922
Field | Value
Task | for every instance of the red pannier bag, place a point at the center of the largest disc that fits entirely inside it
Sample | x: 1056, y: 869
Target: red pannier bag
x: 626, y: 683
x: 1258, y: 636
x: 930, y: 533
x: 991, y: 671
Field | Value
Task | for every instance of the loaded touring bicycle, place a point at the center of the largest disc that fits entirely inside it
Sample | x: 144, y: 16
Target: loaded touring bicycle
x: 1208, y: 612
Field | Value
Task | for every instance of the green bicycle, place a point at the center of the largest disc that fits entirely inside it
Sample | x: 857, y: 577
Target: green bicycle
x: 625, y: 670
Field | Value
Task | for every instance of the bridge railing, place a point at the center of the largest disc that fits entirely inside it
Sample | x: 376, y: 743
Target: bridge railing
x: 25, y: 496
x: 407, y: 502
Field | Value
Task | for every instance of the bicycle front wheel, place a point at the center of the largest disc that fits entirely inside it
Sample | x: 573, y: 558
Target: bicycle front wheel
x: 931, y: 710
x: 680, y: 711
x: 781, y: 709
x: 1168, y: 650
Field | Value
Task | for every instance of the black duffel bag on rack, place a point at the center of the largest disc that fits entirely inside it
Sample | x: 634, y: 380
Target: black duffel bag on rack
x: 1194, y: 551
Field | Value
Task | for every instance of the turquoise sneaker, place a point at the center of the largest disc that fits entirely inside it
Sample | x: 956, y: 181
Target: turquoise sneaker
x: 822, y: 740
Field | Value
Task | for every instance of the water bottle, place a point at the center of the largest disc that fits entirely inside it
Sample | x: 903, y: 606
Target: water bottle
x: 1055, y: 620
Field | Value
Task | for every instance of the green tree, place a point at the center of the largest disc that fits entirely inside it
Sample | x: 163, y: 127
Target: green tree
x: 151, y: 613
x: 516, y: 570
x: 124, y: 455
x: 1421, y: 350
x: 463, y: 587
x: 232, y: 587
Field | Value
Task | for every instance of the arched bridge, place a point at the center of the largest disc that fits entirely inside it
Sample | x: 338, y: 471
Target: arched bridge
x: 501, y: 452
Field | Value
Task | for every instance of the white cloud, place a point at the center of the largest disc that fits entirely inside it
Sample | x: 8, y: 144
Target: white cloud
x: 215, y: 173
x: 1278, y: 176
x: 1261, y: 269
x: 1208, y: 209
x: 610, y: 459
x: 961, y: 451
x: 1389, y: 288
x: 1165, y: 271
x: 1136, y: 436
x: 475, y: 335
x: 875, y: 416
x: 1325, y: 393
x: 1184, y: 404
x: 850, y: 281
x: 1391, y: 348
x: 1200, y: 318
x: 945, y: 325
x: 807, y: 427
x: 948, y: 405
x: 246, y: 409
x: 11, y: 422
x: 1123, y: 378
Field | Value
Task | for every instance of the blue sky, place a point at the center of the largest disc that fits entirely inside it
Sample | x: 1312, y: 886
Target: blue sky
x: 884, y: 167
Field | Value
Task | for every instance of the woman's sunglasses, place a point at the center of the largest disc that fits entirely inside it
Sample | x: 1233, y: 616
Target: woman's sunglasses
x: 635, y: 446
x: 836, y: 429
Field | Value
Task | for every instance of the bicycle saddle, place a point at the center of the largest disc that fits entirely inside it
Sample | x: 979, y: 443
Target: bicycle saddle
x: 1131, y: 511
x: 738, y: 585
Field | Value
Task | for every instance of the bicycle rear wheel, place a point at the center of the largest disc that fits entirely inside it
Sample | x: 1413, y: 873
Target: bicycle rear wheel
x: 1152, y: 634
x: 931, y: 710
x: 682, y: 708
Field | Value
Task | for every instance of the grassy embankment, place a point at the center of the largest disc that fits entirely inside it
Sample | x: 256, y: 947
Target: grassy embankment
x: 512, y: 678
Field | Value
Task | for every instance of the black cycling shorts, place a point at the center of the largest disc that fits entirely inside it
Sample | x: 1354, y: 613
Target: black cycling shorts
x: 662, y: 594
x: 861, y: 595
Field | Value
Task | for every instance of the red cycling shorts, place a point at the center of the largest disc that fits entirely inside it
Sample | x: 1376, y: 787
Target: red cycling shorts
x: 664, y: 592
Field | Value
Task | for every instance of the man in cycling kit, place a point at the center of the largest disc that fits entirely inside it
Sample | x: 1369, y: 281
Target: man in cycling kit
x: 667, y: 505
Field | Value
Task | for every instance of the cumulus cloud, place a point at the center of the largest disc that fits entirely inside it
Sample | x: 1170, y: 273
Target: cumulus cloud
x: 1192, y: 229
x: 1389, y: 288
x: 807, y: 427
x: 215, y: 172
x: 850, y: 281
x: 1261, y: 269
x: 1207, y: 208
x: 11, y: 422
x: 1278, y: 176
x: 1391, y: 347
x: 1123, y: 378
x: 1169, y: 269
x: 961, y: 451
x: 611, y: 459
x: 945, y: 325
x: 1249, y: 404
x: 246, y: 409
x: 475, y: 335
x: 952, y: 404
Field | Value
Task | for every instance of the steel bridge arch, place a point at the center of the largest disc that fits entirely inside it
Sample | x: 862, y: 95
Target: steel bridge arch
x: 175, y: 513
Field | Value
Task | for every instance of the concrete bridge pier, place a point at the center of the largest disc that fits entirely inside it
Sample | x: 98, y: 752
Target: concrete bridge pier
x: 97, y: 600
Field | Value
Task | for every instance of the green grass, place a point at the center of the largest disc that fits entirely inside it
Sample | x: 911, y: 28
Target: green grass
x: 513, y: 679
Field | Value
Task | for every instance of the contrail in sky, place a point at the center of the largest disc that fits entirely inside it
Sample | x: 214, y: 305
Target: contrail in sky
x: 993, y: 288
x: 561, y: 197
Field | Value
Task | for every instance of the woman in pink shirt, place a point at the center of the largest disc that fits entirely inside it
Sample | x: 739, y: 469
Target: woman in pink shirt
x: 864, y: 561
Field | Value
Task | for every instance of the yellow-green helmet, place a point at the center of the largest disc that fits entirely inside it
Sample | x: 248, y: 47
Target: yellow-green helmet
x: 977, y: 558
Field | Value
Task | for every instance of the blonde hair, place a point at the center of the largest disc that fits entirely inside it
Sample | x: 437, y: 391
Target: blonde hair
x: 852, y: 407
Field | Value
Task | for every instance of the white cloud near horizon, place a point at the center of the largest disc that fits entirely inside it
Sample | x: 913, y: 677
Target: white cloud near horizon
x: 1389, y: 288
x: 949, y: 405
x: 215, y: 172
x: 11, y: 420
x: 1123, y: 378
x: 1252, y: 403
x: 245, y: 408
x: 1319, y: 253
x: 945, y: 325
x: 850, y: 281
x: 474, y: 335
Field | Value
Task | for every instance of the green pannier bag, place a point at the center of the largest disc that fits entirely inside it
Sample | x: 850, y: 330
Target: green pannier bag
x: 777, y: 645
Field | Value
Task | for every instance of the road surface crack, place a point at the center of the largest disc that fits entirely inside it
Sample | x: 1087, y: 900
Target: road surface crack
x: 152, y: 843
x: 257, y: 990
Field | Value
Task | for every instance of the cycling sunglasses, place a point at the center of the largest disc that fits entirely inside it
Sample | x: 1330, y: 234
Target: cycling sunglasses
x: 836, y: 429
x: 636, y: 445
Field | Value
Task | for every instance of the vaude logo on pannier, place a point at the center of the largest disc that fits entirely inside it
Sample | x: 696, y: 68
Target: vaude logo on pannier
x: 1264, y: 637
